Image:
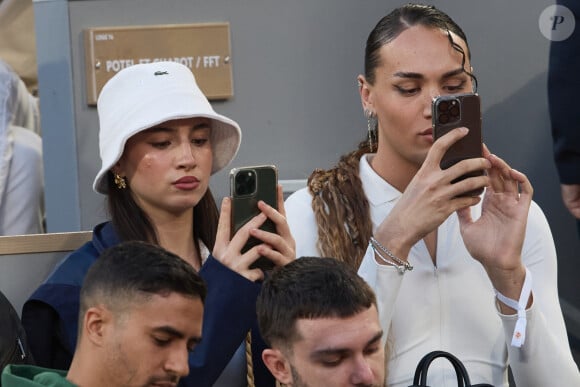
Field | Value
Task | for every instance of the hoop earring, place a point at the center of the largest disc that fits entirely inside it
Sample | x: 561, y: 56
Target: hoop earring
x: 372, y: 125
x: 120, y: 181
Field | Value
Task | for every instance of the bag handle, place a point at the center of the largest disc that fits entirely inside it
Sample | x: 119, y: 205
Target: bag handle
x: 420, y: 379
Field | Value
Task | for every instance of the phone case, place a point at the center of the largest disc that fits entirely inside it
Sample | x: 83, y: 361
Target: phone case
x: 245, y: 204
x: 453, y: 111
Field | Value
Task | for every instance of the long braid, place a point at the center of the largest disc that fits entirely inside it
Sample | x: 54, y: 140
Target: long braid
x: 342, y: 209
x: 249, y: 361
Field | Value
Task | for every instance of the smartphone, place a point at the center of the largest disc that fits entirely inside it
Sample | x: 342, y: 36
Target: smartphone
x: 248, y: 185
x: 453, y: 111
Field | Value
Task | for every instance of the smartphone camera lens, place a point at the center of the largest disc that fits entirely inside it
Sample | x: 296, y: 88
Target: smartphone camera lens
x: 448, y: 111
x: 454, y: 109
x: 443, y: 106
x: 245, y: 182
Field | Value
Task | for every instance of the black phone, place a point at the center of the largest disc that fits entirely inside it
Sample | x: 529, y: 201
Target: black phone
x: 453, y: 111
x: 248, y: 185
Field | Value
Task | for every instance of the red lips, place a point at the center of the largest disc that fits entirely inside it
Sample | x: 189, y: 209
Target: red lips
x: 187, y: 183
x: 187, y: 180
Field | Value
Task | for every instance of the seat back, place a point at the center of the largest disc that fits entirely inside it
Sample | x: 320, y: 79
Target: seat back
x: 26, y: 261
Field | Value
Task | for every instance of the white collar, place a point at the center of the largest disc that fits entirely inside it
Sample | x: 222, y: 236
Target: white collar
x: 377, y: 190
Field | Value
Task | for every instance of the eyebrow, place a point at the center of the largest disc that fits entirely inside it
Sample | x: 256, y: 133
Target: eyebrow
x: 175, y: 333
x: 201, y: 125
x: 343, y: 351
x: 170, y: 331
x: 448, y: 74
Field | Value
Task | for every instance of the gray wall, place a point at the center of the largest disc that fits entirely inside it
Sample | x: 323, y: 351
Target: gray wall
x: 36, y: 266
x: 294, y: 70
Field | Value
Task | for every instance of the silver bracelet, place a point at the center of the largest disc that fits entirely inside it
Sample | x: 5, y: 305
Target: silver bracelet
x: 377, y: 252
x: 378, y: 248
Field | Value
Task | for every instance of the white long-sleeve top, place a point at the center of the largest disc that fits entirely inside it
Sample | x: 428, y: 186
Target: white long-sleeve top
x: 451, y: 306
x: 21, y: 168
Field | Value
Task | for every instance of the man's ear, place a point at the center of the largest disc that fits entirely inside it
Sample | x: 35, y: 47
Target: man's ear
x: 95, y: 323
x: 278, y: 365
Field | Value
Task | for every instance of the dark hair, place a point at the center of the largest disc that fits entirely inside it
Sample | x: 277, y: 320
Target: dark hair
x: 130, y: 270
x: 309, y: 288
x: 402, y: 18
x: 132, y: 223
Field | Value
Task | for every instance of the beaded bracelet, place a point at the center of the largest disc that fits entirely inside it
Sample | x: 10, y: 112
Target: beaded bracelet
x: 379, y: 249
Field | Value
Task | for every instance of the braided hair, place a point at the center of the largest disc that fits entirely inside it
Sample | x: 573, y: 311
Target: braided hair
x: 341, y: 209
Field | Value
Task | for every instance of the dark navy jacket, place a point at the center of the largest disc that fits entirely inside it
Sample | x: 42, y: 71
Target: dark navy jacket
x: 50, y: 316
x: 563, y: 86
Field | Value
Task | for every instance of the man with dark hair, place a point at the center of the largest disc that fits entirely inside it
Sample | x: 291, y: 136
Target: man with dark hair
x: 321, y: 323
x: 141, y: 314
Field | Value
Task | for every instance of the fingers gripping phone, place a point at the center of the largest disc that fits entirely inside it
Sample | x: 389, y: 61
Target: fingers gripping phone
x: 248, y: 185
x: 453, y: 111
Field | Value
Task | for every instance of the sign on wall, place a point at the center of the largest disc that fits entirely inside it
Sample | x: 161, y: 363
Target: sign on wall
x: 204, y: 48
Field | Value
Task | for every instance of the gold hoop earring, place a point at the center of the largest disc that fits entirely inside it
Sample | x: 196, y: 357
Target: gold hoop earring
x: 120, y: 181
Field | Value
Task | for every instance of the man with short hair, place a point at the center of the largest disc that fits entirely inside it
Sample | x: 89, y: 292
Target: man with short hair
x: 321, y: 323
x: 141, y: 312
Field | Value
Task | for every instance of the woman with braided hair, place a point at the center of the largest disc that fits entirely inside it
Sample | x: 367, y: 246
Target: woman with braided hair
x: 451, y: 272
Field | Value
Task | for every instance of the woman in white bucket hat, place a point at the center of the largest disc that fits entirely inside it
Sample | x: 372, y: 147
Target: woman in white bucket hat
x: 160, y: 141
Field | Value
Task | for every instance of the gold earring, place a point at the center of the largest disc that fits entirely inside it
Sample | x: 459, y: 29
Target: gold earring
x: 120, y: 181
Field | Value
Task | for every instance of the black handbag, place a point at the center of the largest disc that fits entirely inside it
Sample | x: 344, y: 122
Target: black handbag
x: 420, y: 379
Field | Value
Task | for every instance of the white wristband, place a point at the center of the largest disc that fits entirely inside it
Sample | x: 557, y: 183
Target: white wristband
x: 519, y: 336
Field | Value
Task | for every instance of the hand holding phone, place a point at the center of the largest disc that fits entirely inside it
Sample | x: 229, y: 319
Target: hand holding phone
x: 453, y: 111
x: 249, y: 185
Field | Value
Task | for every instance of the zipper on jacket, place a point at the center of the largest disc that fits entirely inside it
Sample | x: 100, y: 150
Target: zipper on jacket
x: 22, y: 352
x: 16, y: 354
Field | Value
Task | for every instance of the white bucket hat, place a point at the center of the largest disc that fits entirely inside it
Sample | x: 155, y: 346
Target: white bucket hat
x: 144, y: 95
